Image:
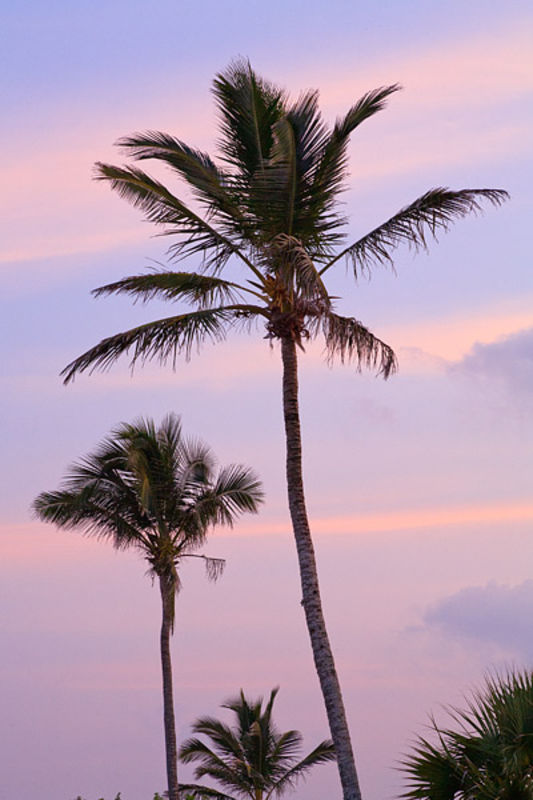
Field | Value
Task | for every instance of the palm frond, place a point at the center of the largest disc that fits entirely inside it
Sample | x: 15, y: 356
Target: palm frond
x: 430, y: 214
x: 331, y: 168
x: 236, y: 490
x: 214, y: 567
x: 328, y: 171
x: 229, y: 776
x: 488, y: 757
x: 164, y: 338
x: 195, y: 791
x: 280, y: 192
x: 249, y: 107
x: 163, y: 208
x: 322, y: 754
x: 202, y: 290
x: 225, y: 742
x: 280, y: 179
x: 211, y: 186
x: 283, y: 751
x: 197, y: 469
x: 349, y: 340
x: 300, y: 137
x: 94, y: 511
x: 310, y: 132
x: 431, y: 773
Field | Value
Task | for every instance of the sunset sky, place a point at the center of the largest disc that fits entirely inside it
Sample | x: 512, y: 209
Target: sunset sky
x: 419, y: 488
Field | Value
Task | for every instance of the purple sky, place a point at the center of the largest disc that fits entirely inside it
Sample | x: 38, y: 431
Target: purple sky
x: 419, y: 488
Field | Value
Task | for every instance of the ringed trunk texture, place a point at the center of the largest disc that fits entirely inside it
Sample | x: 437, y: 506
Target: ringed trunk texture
x: 167, y: 599
x: 322, y: 654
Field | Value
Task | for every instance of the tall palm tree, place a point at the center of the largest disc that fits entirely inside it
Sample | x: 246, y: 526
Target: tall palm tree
x: 488, y: 757
x: 270, y: 206
x: 252, y: 759
x: 151, y: 489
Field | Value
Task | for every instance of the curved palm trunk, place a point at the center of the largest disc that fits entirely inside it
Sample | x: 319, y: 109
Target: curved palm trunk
x: 167, y: 599
x: 322, y: 654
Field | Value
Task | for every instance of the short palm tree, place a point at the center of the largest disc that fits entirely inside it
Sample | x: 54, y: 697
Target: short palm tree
x: 271, y: 206
x: 489, y: 754
x: 153, y: 490
x: 250, y: 760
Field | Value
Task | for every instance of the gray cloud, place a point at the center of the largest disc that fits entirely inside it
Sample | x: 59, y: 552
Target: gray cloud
x: 495, y: 613
x: 508, y: 362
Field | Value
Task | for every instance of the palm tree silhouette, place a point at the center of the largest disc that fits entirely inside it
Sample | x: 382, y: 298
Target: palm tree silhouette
x: 153, y: 490
x: 252, y: 759
x: 489, y: 754
x: 272, y: 207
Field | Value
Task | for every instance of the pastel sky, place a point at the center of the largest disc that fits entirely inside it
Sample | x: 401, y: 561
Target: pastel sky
x: 420, y: 488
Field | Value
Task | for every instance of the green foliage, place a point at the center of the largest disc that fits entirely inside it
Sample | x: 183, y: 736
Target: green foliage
x: 152, y: 489
x: 487, y: 755
x: 250, y: 759
x: 273, y: 204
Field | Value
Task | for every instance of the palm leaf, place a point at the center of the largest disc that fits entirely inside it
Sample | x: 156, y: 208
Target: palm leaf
x: 488, y: 757
x: 237, y: 489
x: 203, y: 290
x: 434, y: 211
x: 210, y: 185
x: 322, y: 754
x: 349, y: 340
x: 214, y: 567
x: 94, y: 513
x: 163, y: 208
x: 220, y: 734
x: 197, y: 792
x: 331, y: 169
x: 303, y: 141
x: 249, y: 107
x: 163, y: 339
x: 279, y: 181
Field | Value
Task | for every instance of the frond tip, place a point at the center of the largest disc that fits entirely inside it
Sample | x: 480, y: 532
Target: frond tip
x: 214, y: 567
x: 348, y: 339
x: 433, y: 212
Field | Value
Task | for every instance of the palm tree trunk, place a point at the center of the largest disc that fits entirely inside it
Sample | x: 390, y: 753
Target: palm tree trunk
x: 322, y: 654
x: 167, y: 599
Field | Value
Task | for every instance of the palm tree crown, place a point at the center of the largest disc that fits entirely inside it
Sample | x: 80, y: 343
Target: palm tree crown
x: 272, y: 204
x: 251, y: 759
x: 151, y: 489
x: 490, y: 754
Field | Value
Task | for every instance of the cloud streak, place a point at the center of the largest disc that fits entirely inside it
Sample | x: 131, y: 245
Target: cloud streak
x: 31, y: 540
